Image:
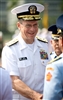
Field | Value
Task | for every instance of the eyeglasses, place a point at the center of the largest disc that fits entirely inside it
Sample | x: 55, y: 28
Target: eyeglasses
x: 28, y: 26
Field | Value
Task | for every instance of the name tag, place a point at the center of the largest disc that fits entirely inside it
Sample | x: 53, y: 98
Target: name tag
x: 23, y: 58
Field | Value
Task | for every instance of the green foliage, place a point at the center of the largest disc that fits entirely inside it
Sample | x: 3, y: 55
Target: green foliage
x: 12, y: 3
x: 61, y: 5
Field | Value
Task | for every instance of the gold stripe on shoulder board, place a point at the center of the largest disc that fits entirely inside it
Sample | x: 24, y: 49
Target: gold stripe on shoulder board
x: 13, y: 41
x: 41, y: 39
x: 55, y: 59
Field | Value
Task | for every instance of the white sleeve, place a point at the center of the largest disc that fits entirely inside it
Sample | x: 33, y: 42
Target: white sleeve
x: 9, y: 61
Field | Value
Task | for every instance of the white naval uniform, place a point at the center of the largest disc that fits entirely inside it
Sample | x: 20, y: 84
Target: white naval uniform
x: 20, y: 60
x: 53, y: 55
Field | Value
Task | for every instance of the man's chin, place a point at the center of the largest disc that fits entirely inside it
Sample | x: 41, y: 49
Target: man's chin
x: 58, y: 53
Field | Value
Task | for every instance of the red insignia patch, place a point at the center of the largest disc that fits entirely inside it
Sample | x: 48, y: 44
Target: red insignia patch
x: 48, y: 76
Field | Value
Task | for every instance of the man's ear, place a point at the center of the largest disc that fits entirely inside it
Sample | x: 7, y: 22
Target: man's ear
x: 51, y: 41
x: 62, y: 41
x: 18, y: 25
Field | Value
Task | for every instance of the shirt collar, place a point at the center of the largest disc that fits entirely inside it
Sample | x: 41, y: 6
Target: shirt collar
x: 61, y: 55
x: 24, y: 45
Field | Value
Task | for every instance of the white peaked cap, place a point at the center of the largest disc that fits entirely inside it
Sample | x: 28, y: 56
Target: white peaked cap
x: 24, y: 8
x: 29, y: 11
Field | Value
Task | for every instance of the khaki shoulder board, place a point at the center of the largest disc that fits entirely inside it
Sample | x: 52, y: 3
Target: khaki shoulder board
x: 41, y: 39
x: 55, y: 59
x: 12, y: 42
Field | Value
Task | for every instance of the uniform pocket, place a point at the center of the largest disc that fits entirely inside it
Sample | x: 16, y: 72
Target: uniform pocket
x: 24, y: 68
x: 44, y: 62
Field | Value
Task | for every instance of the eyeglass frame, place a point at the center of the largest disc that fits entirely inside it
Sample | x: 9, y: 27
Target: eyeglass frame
x: 28, y: 26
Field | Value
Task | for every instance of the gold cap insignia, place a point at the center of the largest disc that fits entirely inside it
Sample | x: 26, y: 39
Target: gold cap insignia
x: 32, y: 9
x: 59, y: 31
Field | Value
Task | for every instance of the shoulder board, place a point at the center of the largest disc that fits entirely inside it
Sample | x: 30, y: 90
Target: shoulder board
x: 41, y: 39
x: 12, y: 42
x: 55, y: 59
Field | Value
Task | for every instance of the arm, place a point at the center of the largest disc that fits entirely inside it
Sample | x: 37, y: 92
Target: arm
x: 24, y: 90
x: 9, y: 62
x: 6, y: 83
x: 53, y: 82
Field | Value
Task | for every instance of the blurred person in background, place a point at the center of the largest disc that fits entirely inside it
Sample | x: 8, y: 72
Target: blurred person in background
x: 54, y: 42
x: 53, y: 84
x: 45, y: 35
x: 25, y: 57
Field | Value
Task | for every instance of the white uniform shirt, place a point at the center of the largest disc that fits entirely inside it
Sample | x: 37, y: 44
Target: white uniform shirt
x: 53, y: 55
x: 20, y: 60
